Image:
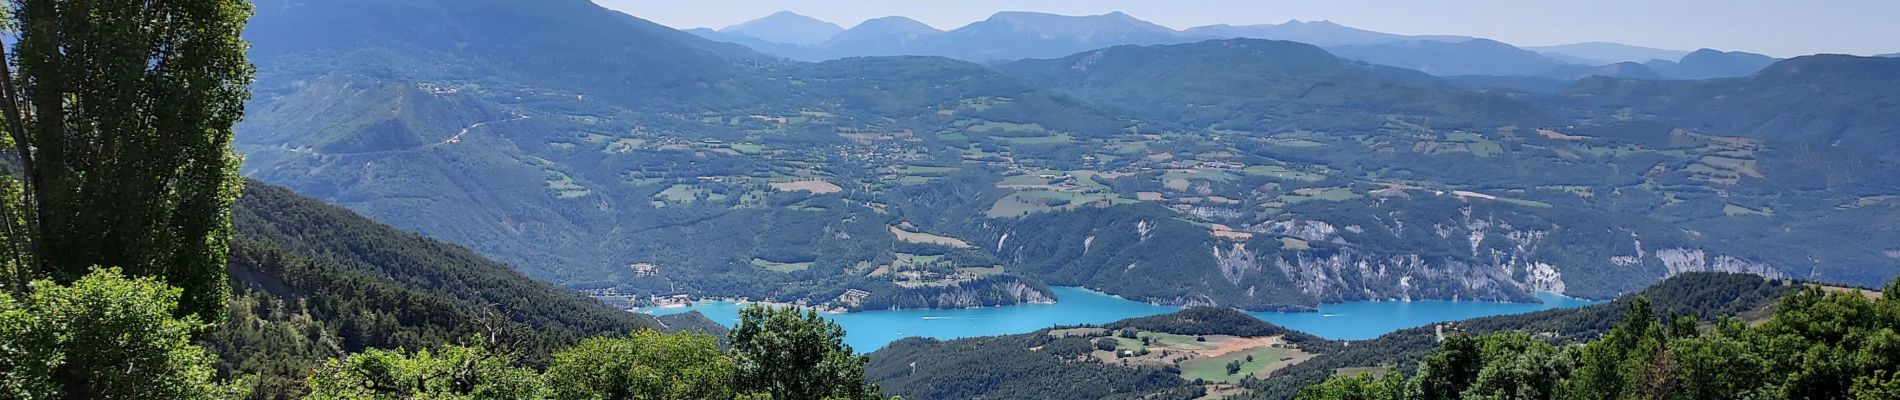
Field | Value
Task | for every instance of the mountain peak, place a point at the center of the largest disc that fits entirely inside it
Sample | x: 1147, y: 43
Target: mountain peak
x: 1835, y: 66
x: 1112, y: 28
x: 893, y: 24
x: 786, y: 27
x: 888, y: 33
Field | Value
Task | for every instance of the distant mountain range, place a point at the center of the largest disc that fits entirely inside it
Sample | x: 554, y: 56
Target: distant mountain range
x: 1710, y: 63
x: 786, y: 27
x: 1026, y: 35
x: 1606, y: 53
x: 1894, y: 55
x: 1469, y: 57
x: 599, y: 151
x: 1317, y: 33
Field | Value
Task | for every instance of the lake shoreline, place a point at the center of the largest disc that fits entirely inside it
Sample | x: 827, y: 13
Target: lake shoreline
x: 1276, y: 309
x: 869, y: 330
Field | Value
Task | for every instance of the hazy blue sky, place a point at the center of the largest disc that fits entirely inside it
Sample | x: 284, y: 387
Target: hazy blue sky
x: 1775, y: 27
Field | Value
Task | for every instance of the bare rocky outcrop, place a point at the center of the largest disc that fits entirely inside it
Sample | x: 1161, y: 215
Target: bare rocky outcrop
x: 1680, y: 261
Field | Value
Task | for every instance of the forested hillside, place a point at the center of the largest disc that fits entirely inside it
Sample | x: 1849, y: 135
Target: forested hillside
x: 1207, y: 351
x: 1819, y: 344
x: 314, y: 281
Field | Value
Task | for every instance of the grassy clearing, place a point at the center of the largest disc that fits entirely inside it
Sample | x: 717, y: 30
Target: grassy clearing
x: 1526, y: 203
x: 681, y: 194
x: 985, y: 103
x: 925, y: 238
x: 1282, y: 173
x: 1296, y: 143
x: 1198, y: 174
x: 1035, y: 140
x: 1030, y: 179
x: 1733, y: 210
x: 1521, y: 202
x: 1474, y: 143
x: 914, y: 180
x: 814, y: 186
x: 1027, y: 202
x: 565, y: 187
x: 1323, y: 194
x: 779, y: 266
x: 1174, y: 341
x: 921, y: 170
x: 748, y: 148
x: 1214, y: 369
x: 622, y: 146
x: 1006, y: 127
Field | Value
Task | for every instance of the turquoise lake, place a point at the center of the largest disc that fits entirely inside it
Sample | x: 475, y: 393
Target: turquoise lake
x: 870, y: 330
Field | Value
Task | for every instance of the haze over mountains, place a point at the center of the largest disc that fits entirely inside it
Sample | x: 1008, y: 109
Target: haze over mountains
x: 1606, y: 53
x: 600, y: 151
x: 1018, y: 35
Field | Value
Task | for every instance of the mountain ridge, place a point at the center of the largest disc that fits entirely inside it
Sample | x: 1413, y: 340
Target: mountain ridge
x: 1600, y: 53
x: 786, y: 27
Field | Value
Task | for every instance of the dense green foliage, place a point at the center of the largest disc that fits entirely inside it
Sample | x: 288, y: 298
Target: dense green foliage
x: 122, y: 130
x: 317, y: 282
x: 646, y: 365
x: 1704, y: 296
x: 1820, y: 344
x: 776, y: 354
x: 449, y: 372
x: 1004, y: 367
x: 1045, y: 365
x: 105, y: 336
x: 790, y: 354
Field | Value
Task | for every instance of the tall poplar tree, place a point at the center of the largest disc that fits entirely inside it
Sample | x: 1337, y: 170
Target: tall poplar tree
x: 120, y: 116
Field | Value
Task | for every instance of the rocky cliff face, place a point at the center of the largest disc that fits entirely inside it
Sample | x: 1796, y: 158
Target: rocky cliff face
x: 1410, y: 252
x: 996, y: 291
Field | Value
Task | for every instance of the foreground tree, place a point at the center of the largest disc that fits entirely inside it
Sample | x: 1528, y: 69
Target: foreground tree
x: 1367, y: 386
x: 1818, y: 345
x: 103, y: 337
x: 794, y: 355
x: 447, y: 373
x: 120, y: 127
x: 645, y: 365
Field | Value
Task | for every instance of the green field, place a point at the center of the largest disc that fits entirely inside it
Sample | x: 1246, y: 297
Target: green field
x: 685, y: 194
x: 565, y: 187
x: 1282, y: 173
x: 1028, y: 202
x: 748, y: 148
x: 1203, y: 174
x: 1034, y: 140
x: 1325, y: 194
x: 1733, y: 210
x: 922, y: 170
x: 991, y: 126
x: 1031, y: 179
x: 1169, y: 340
x: 1214, y: 369
x: 779, y: 266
